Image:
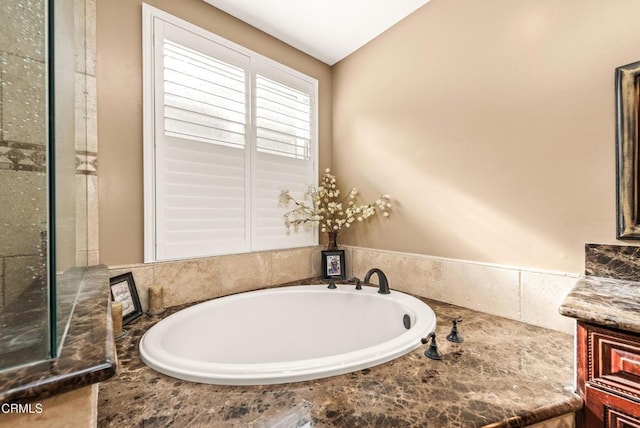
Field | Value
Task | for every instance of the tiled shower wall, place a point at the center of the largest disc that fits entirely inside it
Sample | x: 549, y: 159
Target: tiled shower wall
x: 23, y: 186
x: 522, y: 294
x: 22, y: 145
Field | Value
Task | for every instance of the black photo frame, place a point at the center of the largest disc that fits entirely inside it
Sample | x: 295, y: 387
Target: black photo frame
x: 123, y: 289
x: 333, y: 265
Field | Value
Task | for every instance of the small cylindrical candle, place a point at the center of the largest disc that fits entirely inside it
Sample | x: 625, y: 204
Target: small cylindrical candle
x: 156, y: 300
x: 116, y: 316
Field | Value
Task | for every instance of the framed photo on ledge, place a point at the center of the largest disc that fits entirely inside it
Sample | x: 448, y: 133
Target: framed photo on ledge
x: 123, y: 289
x: 333, y: 265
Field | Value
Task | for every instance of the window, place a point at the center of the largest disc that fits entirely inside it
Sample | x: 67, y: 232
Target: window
x: 225, y: 130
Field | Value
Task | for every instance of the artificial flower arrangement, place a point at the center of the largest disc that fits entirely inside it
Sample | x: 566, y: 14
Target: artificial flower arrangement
x: 331, y: 211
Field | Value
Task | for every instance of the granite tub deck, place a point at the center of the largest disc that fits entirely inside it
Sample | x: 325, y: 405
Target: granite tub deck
x: 505, y: 374
x: 87, y: 357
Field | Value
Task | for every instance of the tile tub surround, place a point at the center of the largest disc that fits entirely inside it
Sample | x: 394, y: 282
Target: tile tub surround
x: 505, y: 374
x: 192, y: 280
x: 527, y: 295
x: 521, y: 294
x: 605, y: 301
x: 87, y: 357
x: 612, y: 261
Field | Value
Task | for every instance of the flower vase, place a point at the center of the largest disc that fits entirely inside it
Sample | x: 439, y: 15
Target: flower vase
x: 332, y: 240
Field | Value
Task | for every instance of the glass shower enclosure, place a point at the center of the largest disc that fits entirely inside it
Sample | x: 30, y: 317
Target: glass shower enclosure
x: 43, y: 216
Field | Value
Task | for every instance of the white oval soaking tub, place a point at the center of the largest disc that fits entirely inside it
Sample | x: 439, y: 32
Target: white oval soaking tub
x: 286, y: 334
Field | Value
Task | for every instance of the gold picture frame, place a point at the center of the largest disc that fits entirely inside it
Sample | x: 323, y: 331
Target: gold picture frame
x: 627, y: 83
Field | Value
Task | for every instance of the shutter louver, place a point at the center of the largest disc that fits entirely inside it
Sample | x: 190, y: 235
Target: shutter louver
x: 204, y: 98
x: 283, y: 119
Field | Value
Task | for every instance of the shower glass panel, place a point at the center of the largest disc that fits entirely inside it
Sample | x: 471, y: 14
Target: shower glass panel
x: 43, y: 215
x: 24, y: 222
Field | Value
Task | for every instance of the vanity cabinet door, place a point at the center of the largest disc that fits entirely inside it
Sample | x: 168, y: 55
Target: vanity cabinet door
x: 608, y: 376
x: 603, y: 409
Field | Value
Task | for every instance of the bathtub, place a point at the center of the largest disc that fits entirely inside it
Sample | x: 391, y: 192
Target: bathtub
x: 286, y: 334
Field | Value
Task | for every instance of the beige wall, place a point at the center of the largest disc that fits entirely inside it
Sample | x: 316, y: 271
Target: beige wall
x: 492, y: 125
x: 119, y: 81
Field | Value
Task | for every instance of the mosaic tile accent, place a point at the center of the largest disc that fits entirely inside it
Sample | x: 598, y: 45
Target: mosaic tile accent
x: 86, y: 163
x: 33, y: 157
x: 22, y: 156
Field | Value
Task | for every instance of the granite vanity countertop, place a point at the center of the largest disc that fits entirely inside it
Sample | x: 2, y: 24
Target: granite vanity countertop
x: 505, y: 374
x: 605, y: 301
x: 88, y: 354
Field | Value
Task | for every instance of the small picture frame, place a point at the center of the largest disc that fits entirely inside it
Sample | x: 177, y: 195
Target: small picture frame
x: 333, y: 265
x: 123, y: 289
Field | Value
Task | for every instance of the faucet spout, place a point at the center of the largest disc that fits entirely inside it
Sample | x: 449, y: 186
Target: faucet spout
x: 382, y: 280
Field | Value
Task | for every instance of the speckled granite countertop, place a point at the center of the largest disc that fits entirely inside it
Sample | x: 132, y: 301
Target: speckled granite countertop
x: 505, y: 374
x: 88, y: 355
x: 605, y: 301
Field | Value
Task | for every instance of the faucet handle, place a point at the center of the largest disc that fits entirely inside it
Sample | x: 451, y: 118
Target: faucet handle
x: 432, y: 351
x: 357, y: 281
x: 454, y: 336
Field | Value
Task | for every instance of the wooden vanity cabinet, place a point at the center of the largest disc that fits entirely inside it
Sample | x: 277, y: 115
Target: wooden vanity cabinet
x: 608, y: 377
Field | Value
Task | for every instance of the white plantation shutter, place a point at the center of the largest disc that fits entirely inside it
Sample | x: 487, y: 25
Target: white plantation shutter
x: 229, y: 130
x: 284, y: 126
x: 200, y: 146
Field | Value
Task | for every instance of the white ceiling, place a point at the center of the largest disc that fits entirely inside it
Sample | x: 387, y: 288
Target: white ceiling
x: 328, y: 30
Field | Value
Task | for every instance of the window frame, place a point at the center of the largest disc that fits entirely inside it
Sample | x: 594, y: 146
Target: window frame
x: 259, y: 64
